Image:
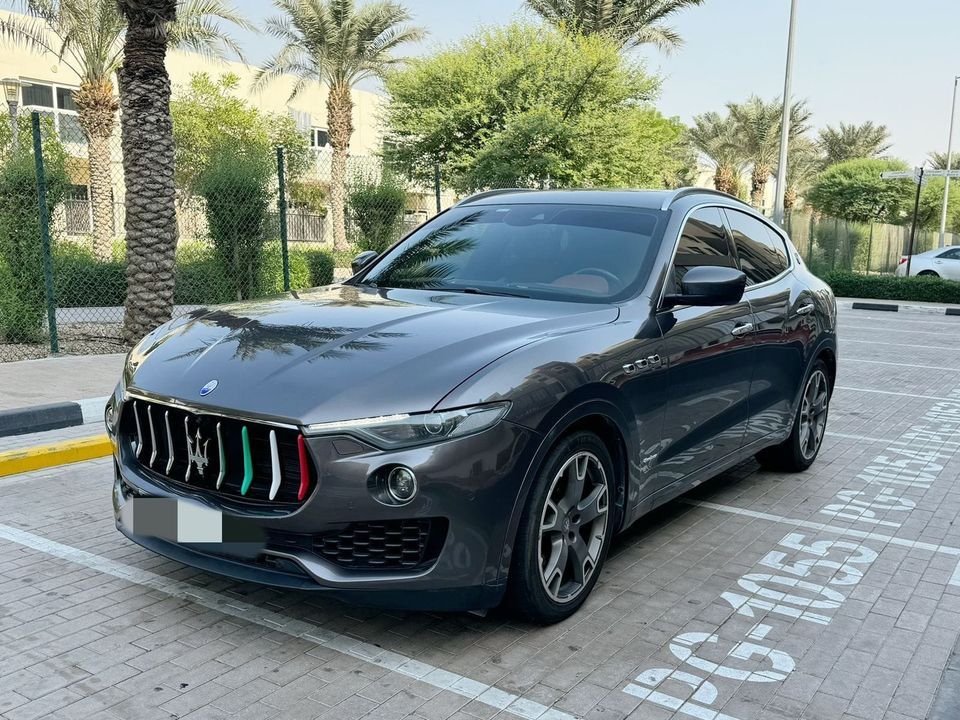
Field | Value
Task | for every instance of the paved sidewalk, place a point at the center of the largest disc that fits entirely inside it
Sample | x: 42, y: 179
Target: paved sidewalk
x: 37, y: 382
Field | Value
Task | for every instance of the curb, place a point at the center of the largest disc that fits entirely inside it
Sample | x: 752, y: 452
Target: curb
x: 39, y: 457
x: 55, y: 416
x: 902, y: 307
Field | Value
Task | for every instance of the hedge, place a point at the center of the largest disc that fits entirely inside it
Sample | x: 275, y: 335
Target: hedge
x: 82, y: 281
x: 888, y: 287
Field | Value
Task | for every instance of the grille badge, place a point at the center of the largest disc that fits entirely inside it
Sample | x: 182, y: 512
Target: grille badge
x: 196, y: 452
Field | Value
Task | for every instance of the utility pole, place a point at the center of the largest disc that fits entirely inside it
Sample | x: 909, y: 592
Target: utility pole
x: 778, y: 209
x: 913, y: 227
x: 946, y: 183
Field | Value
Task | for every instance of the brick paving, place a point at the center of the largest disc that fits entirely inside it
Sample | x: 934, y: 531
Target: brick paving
x: 830, y: 595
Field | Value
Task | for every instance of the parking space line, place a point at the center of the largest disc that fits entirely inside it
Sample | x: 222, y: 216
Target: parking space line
x: 897, y: 364
x: 863, y: 438
x: 813, y: 525
x: 906, y: 345
x: 886, y: 330
x: 489, y: 695
x: 891, y: 392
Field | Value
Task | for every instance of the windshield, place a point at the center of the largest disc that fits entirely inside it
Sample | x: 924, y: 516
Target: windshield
x: 560, y: 252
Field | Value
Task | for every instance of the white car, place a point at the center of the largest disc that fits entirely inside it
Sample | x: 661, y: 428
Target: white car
x: 942, y: 262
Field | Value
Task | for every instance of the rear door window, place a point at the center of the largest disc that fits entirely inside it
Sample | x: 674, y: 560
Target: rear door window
x: 762, y: 252
x: 703, y: 242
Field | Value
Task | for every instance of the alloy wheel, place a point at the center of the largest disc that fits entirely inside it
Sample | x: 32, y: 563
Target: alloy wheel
x: 813, y: 414
x: 573, y: 527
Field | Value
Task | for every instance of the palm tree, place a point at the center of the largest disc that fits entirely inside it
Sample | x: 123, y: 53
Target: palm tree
x: 148, y: 162
x: 849, y: 142
x: 714, y: 136
x: 332, y: 42
x: 87, y: 37
x: 939, y: 160
x: 630, y: 23
x: 804, y: 163
x: 757, y: 132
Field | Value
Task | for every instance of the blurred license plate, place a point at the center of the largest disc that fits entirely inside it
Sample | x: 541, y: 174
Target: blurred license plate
x: 179, y: 521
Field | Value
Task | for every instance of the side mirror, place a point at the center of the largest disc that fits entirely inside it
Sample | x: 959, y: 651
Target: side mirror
x: 362, y: 260
x: 709, y: 285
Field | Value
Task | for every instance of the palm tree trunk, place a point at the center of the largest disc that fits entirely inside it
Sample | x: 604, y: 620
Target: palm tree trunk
x: 758, y: 185
x: 340, y: 120
x: 148, y: 165
x: 789, y: 200
x: 97, y: 111
x: 724, y: 180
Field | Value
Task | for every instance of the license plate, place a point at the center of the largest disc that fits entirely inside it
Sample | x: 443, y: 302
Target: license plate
x: 175, y: 520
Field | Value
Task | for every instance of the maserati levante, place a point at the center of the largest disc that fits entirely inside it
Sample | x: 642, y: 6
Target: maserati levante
x: 471, y: 419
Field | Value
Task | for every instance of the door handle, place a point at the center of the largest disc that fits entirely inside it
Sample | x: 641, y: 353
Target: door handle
x: 805, y: 309
x: 744, y: 329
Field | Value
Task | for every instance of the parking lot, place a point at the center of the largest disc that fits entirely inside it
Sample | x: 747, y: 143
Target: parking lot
x: 827, y: 595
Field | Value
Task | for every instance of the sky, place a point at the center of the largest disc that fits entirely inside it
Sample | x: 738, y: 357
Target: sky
x: 882, y: 60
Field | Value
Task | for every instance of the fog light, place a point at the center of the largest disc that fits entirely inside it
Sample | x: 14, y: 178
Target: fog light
x: 402, y: 484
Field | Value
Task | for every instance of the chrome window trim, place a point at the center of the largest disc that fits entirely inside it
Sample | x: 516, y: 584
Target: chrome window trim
x: 198, y: 410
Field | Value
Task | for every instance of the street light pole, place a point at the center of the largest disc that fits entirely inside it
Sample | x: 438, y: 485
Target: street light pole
x: 11, y: 89
x: 946, y: 183
x: 778, y: 207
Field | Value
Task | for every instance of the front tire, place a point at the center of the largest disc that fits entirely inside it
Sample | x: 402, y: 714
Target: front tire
x: 799, y: 451
x: 565, y: 531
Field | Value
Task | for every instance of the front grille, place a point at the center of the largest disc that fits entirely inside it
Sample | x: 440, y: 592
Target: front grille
x: 384, y: 545
x: 246, y: 461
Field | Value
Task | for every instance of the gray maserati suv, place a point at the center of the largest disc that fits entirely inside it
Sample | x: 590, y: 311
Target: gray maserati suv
x: 473, y: 417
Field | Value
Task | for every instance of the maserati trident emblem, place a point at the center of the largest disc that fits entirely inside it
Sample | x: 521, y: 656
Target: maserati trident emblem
x: 209, y: 388
x: 197, y: 454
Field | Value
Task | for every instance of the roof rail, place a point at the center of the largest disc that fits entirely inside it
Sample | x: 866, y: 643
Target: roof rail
x: 490, y: 193
x: 683, y: 192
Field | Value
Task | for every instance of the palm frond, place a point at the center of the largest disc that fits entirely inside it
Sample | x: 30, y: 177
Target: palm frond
x: 198, y: 27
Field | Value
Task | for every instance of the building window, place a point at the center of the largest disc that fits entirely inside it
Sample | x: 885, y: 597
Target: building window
x: 64, y: 113
x: 319, y: 138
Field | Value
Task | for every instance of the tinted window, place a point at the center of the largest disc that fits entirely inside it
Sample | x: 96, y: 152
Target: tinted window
x: 38, y: 95
x: 953, y: 254
x: 762, y: 253
x: 564, y: 252
x: 703, y: 242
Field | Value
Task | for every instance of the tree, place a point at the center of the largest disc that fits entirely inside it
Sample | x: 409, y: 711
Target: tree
x: 208, y: 113
x: 938, y: 160
x: 332, y: 42
x: 629, y: 23
x: 849, y: 142
x: 714, y: 136
x: 87, y: 37
x: 804, y: 163
x: 148, y: 165
x: 758, y: 125
x: 522, y: 105
x: 853, y: 190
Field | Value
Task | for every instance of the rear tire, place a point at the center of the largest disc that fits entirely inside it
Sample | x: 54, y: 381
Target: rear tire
x: 928, y: 273
x: 799, y: 451
x: 564, y: 533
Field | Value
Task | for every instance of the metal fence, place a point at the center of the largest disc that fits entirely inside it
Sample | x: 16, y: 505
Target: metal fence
x: 250, y: 226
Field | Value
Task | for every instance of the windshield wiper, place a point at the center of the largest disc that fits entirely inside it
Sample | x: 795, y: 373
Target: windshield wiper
x: 483, y: 291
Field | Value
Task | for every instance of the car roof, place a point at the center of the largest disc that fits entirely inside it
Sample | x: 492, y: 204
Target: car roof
x: 650, y: 199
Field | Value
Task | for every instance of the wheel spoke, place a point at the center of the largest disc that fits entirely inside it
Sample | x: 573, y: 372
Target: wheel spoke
x: 576, y: 476
x: 551, y: 519
x: 594, y: 505
x: 556, y: 565
x: 804, y: 434
x: 579, y: 560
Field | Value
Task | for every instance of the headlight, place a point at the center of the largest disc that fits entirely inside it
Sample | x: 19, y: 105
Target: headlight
x: 398, y: 431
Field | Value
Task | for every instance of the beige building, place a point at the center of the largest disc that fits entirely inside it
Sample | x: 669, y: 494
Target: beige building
x: 48, y: 86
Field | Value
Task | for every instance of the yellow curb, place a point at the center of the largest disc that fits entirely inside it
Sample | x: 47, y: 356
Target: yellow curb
x: 61, y: 453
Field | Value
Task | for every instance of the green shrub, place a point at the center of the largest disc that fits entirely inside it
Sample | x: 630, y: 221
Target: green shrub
x: 320, y: 263
x: 888, y: 287
x: 200, y: 277
x: 376, y: 212
x: 83, y: 281
x: 236, y: 187
x: 24, y: 308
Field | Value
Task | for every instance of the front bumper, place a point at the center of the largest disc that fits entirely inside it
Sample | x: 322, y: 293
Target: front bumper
x: 467, y: 486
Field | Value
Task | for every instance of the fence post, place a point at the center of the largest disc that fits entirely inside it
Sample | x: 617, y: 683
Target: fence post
x: 869, y: 247
x: 282, y: 207
x: 45, y: 234
x: 436, y: 185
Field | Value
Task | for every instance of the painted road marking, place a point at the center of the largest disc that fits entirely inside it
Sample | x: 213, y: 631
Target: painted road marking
x: 906, y: 345
x: 395, y: 662
x: 899, y: 364
x: 813, y: 525
x: 890, y: 392
x: 38, y: 457
x: 886, y: 329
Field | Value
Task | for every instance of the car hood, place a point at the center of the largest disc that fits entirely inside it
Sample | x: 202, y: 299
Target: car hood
x: 342, y: 352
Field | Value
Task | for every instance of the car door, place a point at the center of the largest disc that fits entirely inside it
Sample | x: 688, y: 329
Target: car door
x: 778, y: 335
x: 709, y: 357
x: 947, y: 264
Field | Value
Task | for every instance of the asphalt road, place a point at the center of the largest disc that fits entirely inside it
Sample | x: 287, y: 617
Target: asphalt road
x: 834, y: 594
